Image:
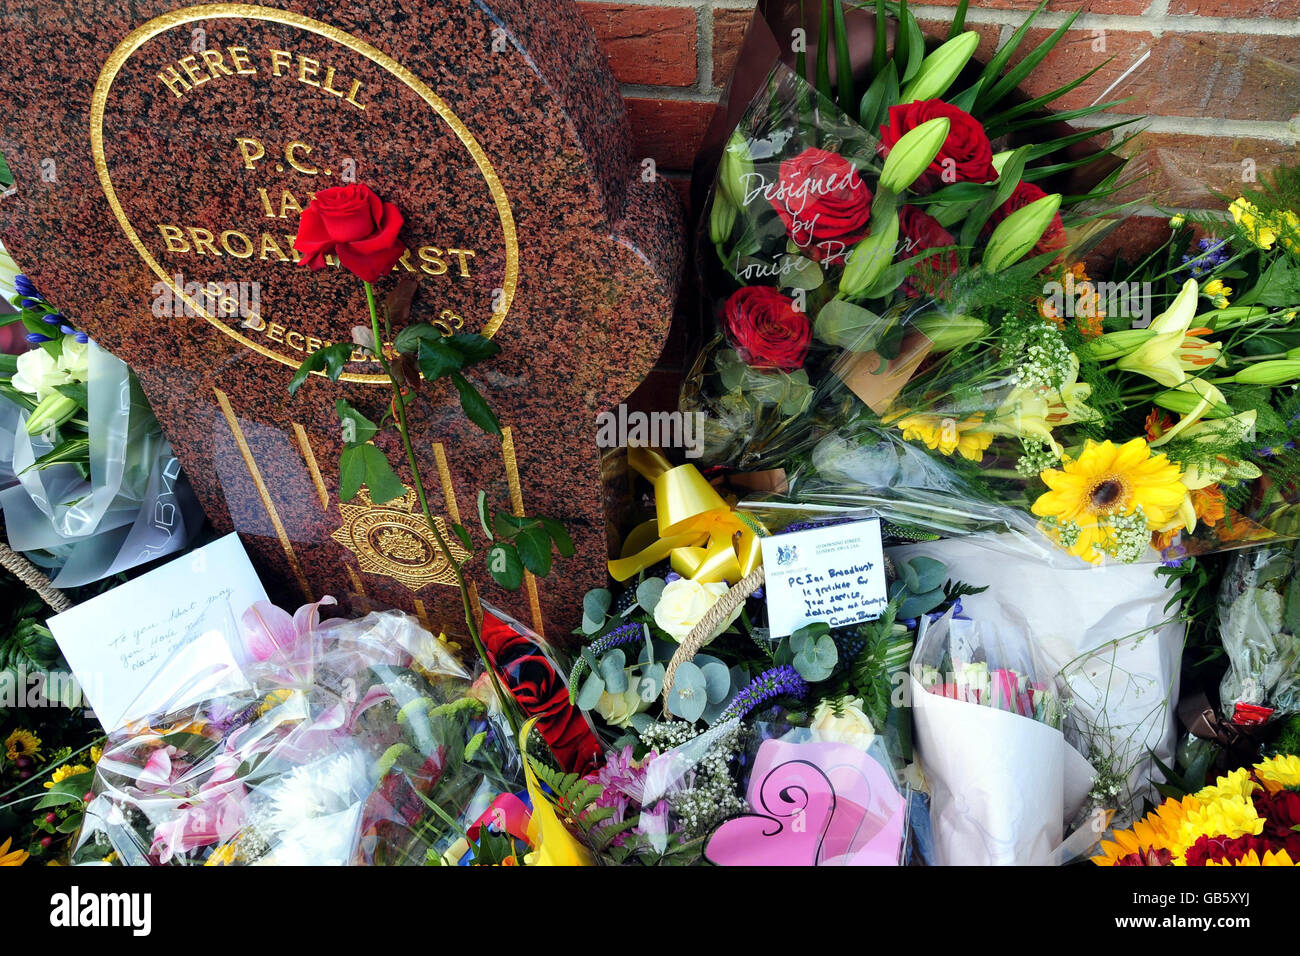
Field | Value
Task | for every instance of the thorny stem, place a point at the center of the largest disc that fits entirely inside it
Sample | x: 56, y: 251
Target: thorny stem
x: 399, y: 404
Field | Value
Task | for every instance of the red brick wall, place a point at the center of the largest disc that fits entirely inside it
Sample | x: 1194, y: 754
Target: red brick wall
x: 1220, y: 79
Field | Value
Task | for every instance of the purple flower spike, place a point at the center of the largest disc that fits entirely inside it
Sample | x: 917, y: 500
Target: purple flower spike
x: 53, y: 318
x: 36, y: 338
x: 783, y: 681
x: 23, y: 286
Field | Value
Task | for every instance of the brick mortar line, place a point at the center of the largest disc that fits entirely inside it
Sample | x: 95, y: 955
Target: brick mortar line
x: 1197, y: 126
x: 679, y: 4
x: 1124, y: 23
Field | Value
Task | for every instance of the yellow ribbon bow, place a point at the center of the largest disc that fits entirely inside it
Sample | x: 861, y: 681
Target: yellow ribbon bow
x: 553, y: 844
x: 704, y: 539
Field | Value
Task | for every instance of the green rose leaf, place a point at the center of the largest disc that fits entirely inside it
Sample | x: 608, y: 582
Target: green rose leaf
x: 563, y: 543
x: 357, y: 429
x: 332, y: 359
x: 367, y: 465
x: 475, y: 406
x: 535, y: 550
x: 504, y: 565
x: 463, y: 533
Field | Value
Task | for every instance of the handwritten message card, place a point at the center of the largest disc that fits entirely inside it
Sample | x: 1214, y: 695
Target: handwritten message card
x: 834, y: 574
x: 118, y: 643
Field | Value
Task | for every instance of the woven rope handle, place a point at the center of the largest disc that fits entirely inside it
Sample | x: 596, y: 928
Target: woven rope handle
x: 708, y: 626
x: 33, y: 577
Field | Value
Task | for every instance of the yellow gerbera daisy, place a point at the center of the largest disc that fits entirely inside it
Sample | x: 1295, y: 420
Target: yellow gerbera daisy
x: 945, y: 434
x: 1106, y: 481
x: 1278, y: 773
x: 63, y: 773
x: 14, y: 858
x: 22, y: 743
x: 1251, y: 858
x: 1229, y: 817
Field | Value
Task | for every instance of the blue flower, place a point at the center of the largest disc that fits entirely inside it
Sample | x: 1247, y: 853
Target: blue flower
x: 36, y: 338
x: 23, y: 286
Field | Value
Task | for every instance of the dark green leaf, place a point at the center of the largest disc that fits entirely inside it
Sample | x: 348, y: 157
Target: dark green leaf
x: 823, y: 52
x: 909, y: 28
x: 68, y: 452
x: 474, y: 348
x: 843, y: 60
x: 563, y: 543
x: 1014, y: 76
x: 535, y: 550
x: 437, y: 359
x: 476, y: 408
x: 332, y: 359
x: 408, y: 340
x: 463, y: 533
x: 958, y: 20
x: 76, y: 391
x: 367, y: 465
x: 357, y: 429
x: 504, y: 565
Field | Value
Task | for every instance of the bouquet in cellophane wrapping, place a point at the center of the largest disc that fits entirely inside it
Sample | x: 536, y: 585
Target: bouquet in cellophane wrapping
x: 855, y: 229
x: 348, y: 742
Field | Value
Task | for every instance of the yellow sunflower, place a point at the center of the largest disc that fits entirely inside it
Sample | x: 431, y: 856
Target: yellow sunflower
x: 1155, y: 832
x: 63, y: 773
x: 1251, y: 858
x: 945, y: 434
x: 15, y: 858
x: 1278, y: 773
x: 1108, y: 481
x: 22, y: 743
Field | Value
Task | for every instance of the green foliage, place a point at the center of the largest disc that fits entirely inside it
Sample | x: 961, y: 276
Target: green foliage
x: 331, y: 359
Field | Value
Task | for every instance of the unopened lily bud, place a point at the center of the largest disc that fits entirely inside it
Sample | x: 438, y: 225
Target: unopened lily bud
x: 1185, y: 402
x: 722, y: 218
x: 913, y: 154
x: 1115, y: 345
x: 949, y: 332
x: 1234, y: 315
x: 53, y: 411
x: 870, y: 258
x: 735, y: 169
x: 1277, y: 372
x: 1017, y: 235
x: 940, y: 68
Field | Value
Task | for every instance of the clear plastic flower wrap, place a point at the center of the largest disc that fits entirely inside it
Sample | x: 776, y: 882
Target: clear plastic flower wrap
x: 1259, y: 624
x: 760, y: 793
x: 342, y: 743
x: 1004, y: 784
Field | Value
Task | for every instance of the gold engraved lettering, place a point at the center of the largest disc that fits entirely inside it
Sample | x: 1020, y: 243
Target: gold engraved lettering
x: 239, y: 57
x: 268, y: 246
x: 247, y: 250
x: 328, y: 85
x: 405, y: 261
x: 280, y: 60
x: 204, y: 241
x: 291, y: 157
x: 215, y: 62
x: 173, y: 81
x: 433, y: 263
x: 289, y: 338
x: 247, y: 145
x: 307, y: 65
x: 462, y: 255
x: 174, y: 237
x: 352, y: 95
x: 192, y: 69
x: 275, y: 332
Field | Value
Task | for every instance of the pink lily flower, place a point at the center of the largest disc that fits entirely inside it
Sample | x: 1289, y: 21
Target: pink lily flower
x: 271, y: 636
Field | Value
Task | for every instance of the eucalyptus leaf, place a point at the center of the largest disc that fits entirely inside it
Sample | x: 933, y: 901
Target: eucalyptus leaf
x: 613, y: 671
x: 689, y: 694
x: 717, y: 678
x: 592, y: 688
x: 648, y: 593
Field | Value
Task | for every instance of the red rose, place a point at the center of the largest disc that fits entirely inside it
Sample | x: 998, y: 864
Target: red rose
x: 917, y: 232
x: 354, y: 224
x: 532, y: 679
x: 966, y: 155
x: 1053, y: 238
x: 824, y: 204
x: 766, y: 329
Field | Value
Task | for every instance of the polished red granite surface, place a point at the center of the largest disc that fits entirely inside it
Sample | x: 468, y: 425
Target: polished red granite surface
x: 159, y: 149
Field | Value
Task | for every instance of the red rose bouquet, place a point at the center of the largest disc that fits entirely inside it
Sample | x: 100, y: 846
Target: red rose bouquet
x: 854, y: 231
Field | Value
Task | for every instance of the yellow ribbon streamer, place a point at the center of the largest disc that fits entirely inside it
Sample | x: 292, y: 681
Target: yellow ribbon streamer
x: 703, y: 538
x: 552, y: 843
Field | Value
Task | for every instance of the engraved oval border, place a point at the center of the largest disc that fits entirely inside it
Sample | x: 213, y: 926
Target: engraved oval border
x: 160, y: 24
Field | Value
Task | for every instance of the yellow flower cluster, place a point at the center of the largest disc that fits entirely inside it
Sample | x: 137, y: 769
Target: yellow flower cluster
x: 1224, y: 810
x: 1264, y: 229
x: 63, y: 773
x: 944, y: 434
